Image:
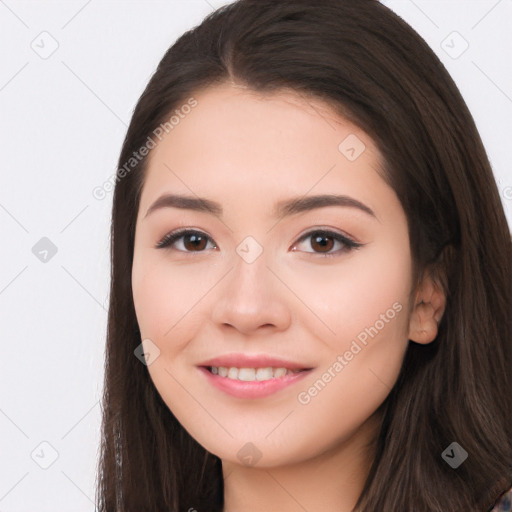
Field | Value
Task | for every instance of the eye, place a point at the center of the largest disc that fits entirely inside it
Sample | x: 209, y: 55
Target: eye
x: 322, y: 241
x: 189, y: 240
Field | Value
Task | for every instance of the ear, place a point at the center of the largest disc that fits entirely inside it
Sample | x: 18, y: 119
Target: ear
x: 429, y: 306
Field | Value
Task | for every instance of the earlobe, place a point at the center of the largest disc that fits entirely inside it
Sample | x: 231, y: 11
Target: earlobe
x: 427, y: 313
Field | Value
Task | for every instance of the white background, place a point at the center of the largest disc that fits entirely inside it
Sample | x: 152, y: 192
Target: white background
x: 62, y: 122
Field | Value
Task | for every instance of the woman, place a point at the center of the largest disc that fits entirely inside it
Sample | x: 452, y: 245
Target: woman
x: 311, y: 276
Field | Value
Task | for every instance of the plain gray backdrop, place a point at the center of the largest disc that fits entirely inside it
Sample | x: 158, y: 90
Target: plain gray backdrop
x: 70, y: 75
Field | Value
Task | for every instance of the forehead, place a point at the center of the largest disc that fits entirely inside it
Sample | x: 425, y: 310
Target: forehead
x: 239, y: 142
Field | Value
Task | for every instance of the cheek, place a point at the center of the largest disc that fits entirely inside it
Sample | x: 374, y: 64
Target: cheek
x: 365, y: 304
x: 165, y: 294
x: 167, y: 298
x: 368, y: 288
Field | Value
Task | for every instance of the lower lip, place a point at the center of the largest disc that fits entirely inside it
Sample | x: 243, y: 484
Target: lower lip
x: 251, y: 389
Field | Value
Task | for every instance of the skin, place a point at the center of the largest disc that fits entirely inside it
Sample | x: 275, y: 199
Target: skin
x: 248, y: 151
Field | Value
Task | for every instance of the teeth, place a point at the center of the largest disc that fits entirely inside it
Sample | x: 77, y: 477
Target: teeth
x: 251, y: 374
x: 264, y: 373
x: 279, y: 372
x: 247, y: 374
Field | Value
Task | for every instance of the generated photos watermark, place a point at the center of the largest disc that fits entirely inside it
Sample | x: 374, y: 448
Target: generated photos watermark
x: 100, y: 192
x: 305, y: 397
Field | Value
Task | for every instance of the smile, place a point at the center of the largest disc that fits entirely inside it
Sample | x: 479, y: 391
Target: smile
x: 251, y: 374
x: 251, y: 383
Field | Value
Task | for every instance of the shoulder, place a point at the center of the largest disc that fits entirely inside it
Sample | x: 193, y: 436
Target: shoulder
x: 504, y: 503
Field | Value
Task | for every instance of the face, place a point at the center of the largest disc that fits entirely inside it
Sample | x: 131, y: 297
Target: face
x: 311, y: 300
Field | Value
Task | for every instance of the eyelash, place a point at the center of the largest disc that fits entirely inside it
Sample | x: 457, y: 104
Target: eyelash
x: 349, y: 244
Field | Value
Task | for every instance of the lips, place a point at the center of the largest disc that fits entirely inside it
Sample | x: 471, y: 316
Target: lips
x: 253, y: 389
x: 253, y: 361
x: 252, y: 376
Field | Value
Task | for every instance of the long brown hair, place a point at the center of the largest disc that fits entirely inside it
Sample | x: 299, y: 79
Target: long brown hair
x: 376, y: 71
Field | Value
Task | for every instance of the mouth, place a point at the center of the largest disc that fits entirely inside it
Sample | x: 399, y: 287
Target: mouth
x: 246, y: 376
x: 252, y: 374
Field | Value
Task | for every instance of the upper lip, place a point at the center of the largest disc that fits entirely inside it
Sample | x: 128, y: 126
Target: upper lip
x: 253, y: 361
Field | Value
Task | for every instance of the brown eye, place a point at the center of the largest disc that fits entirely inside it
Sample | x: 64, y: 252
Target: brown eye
x: 191, y: 241
x: 194, y: 242
x: 323, y: 242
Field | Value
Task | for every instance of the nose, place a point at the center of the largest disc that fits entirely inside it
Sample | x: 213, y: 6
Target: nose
x: 251, y: 298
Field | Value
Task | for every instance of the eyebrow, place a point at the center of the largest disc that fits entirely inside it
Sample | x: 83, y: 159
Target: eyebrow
x: 282, y: 209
